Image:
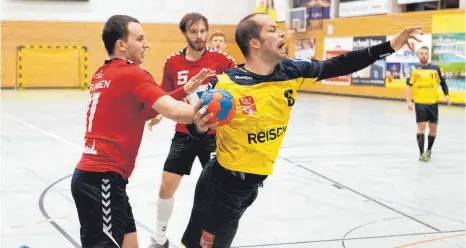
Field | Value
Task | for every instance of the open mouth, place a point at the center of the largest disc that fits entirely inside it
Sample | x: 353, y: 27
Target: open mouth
x: 281, y: 45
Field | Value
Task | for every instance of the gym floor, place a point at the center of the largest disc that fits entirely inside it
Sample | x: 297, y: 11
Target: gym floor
x: 347, y: 175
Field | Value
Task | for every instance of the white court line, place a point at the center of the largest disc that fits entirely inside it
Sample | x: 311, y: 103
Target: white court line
x: 64, y: 141
x: 43, y: 131
x: 41, y: 221
x: 49, y: 134
x: 61, y: 139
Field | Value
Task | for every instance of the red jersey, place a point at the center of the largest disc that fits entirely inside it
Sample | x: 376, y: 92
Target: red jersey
x: 178, y: 70
x: 120, y: 102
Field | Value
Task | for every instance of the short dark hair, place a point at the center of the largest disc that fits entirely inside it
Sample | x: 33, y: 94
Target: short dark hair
x: 247, y: 30
x: 191, y: 18
x: 424, y: 47
x: 116, y: 28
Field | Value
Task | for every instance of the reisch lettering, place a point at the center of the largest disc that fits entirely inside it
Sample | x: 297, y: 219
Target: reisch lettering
x: 268, y: 135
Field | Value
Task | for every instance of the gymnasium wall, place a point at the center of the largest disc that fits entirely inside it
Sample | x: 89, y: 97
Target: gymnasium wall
x: 31, y: 22
x: 382, y: 25
x: 156, y: 11
x: 164, y: 40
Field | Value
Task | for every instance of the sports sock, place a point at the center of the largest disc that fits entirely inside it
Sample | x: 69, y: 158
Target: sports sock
x: 430, y: 142
x: 164, y: 212
x: 420, y: 142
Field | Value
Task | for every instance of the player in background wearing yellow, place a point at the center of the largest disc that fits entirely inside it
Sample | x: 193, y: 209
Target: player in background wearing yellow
x: 265, y: 90
x: 217, y: 41
x: 422, y: 86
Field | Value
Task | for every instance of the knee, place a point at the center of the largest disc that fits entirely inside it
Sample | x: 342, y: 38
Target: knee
x: 421, y: 127
x: 168, y: 188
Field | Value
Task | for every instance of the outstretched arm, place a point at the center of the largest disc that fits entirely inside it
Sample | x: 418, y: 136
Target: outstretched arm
x: 353, y: 61
x: 181, y: 92
x: 179, y: 111
x: 357, y: 60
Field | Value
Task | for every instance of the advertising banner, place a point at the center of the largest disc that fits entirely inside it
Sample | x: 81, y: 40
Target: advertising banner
x: 448, y: 23
x: 306, y: 48
x: 334, y: 47
x: 362, y: 7
x: 448, y: 52
x: 315, y: 9
x: 375, y: 73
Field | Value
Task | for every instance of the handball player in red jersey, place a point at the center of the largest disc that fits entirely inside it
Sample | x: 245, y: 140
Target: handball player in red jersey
x: 122, y: 98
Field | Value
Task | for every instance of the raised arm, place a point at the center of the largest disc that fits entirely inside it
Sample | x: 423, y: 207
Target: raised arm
x: 353, y: 61
x: 357, y: 60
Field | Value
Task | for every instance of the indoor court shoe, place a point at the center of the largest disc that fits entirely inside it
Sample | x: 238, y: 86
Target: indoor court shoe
x: 156, y: 245
x: 423, y: 157
x: 428, y: 154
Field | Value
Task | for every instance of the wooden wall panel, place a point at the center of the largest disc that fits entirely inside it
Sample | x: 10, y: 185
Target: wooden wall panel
x: 164, y: 40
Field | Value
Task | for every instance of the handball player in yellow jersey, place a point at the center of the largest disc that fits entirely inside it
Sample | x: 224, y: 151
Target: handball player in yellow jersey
x: 422, y: 85
x: 264, y: 89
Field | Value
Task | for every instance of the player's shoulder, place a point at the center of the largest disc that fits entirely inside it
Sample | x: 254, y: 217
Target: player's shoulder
x: 434, y: 67
x: 238, y: 75
x: 293, y: 68
x: 126, y: 67
x: 296, y: 62
x: 283, y: 72
x: 174, y: 57
x: 218, y: 54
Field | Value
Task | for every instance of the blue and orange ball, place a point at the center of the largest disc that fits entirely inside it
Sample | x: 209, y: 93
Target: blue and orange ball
x: 221, y: 104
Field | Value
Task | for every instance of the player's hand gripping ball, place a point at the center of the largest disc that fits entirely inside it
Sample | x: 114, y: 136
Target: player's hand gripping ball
x: 221, y: 104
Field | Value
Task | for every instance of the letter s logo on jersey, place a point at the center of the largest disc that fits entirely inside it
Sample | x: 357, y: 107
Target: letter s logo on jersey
x: 268, y: 135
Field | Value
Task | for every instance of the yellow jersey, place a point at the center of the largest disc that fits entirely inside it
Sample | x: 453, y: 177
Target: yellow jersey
x: 251, y: 141
x: 425, y: 82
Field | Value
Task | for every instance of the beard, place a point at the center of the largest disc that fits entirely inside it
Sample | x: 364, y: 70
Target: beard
x: 423, y: 61
x: 197, y: 45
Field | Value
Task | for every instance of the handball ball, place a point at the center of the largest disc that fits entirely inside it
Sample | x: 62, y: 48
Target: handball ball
x: 221, y: 104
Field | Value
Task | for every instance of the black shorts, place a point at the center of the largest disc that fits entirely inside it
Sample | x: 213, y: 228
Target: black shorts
x: 103, y: 208
x: 220, y: 200
x: 184, y: 149
x: 426, y: 112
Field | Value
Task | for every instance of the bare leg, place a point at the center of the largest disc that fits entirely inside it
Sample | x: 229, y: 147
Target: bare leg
x: 130, y: 240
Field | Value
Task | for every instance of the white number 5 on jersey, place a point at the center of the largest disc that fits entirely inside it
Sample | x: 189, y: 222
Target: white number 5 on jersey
x: 182, y: 77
